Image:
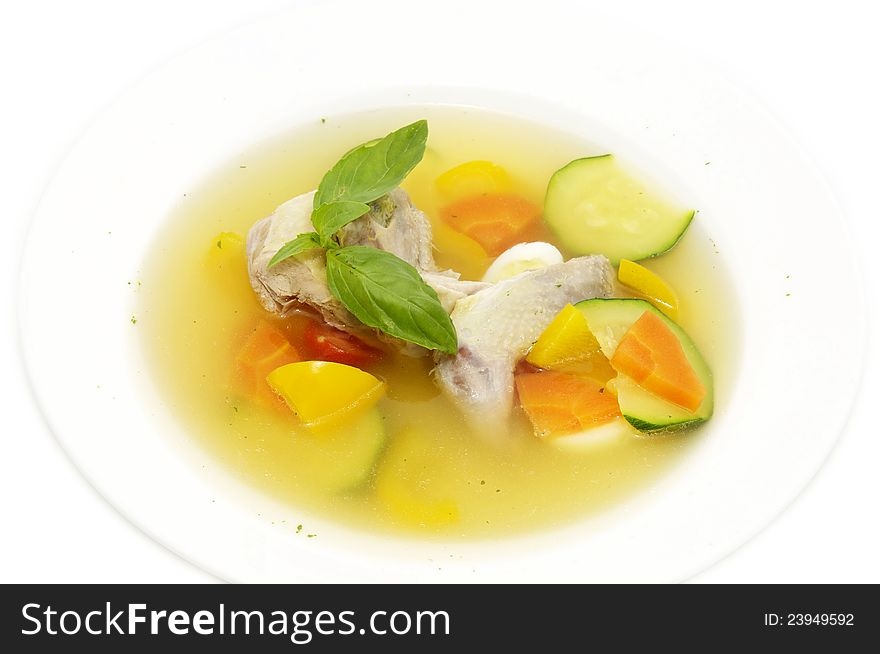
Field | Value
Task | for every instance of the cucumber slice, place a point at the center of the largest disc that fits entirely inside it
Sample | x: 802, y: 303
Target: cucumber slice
x: 342, y: 459
x: 609, y: 320
x: 595, y: 207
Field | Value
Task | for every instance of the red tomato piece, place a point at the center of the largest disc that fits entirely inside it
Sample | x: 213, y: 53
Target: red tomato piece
x: 326, y: 343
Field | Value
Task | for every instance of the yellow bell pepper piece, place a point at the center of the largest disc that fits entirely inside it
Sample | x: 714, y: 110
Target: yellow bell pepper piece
x: 472, y: 178
x: 650, y: 286
x: 225, y: 262
x: 458, y: 251
x: 400, y: 485
x: 568, y: 345
x: 324, y: 393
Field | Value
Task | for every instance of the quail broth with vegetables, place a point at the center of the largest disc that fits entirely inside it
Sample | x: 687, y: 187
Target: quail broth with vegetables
x: 455, y: 331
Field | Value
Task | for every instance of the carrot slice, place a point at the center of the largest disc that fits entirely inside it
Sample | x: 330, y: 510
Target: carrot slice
x: 652, y: 356
x: 559, y: 403
x: 265, y: 349
x: 495, y: 221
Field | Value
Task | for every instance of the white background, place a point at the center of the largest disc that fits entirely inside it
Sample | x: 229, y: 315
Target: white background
x: 62, y: 62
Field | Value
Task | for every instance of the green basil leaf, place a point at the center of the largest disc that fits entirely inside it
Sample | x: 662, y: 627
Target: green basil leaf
x: 331, y: 217
x: 303, y: 242
x: 385, y: 292
x: 372, y: 169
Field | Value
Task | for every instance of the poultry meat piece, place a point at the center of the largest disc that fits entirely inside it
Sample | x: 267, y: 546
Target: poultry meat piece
x: 300, y: 282
x: 497, y: 325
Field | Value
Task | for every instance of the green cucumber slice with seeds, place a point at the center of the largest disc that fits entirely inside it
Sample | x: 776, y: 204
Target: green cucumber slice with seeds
x: 596, y: 207
x: 609, y: 320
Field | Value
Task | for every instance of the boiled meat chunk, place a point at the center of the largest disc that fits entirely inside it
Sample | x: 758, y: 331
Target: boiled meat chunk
x: 497, y: 325
x: 393, y: 224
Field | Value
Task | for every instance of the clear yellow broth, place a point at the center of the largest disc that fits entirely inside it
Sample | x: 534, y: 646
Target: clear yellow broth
x: 435, y: 478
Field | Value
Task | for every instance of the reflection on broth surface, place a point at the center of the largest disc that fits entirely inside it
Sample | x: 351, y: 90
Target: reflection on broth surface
x: 432, y: 475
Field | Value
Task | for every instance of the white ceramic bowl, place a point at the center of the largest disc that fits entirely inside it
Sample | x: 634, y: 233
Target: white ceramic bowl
x: 772, y: 217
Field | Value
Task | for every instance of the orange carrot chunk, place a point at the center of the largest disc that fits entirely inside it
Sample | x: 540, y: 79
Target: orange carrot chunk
x: 264, y: 349
x: 559, y: 403
x: 652, y: 356
x: 495, y: 221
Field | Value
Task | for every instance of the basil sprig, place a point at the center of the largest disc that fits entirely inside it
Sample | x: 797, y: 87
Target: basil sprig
x: 385, y: 292
x: 365, y: 174
x: 370, y: 170
x: 303, y: 242
x: 381, y: 290
x: 331, y: 217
